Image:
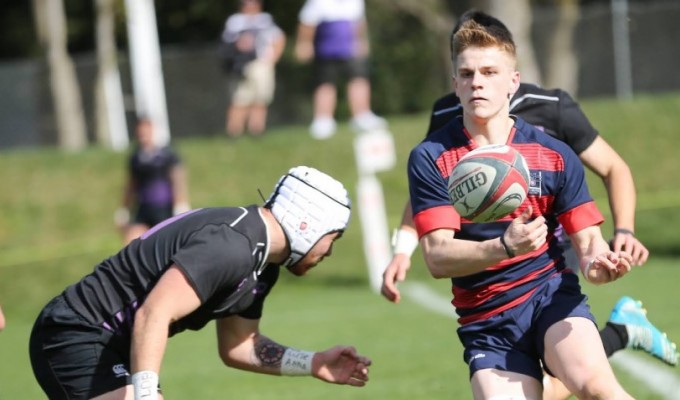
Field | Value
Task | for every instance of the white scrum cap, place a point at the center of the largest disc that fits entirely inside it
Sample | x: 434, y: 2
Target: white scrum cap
x: 308, y: 204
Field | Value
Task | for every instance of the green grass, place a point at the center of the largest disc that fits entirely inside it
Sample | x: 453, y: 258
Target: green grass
x: 56, y: 224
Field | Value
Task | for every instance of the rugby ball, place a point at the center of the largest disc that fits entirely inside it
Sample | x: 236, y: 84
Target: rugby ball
x: 489, y: 183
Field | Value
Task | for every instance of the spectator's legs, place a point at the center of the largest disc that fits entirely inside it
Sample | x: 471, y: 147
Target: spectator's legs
x: 236, y: 120
x: 359, y: 95
x: 325, y: 100
x: 257, y: 121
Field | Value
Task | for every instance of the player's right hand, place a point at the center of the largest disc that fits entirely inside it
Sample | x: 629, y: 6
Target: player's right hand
x: 524, y: 236
x: 395, y: 272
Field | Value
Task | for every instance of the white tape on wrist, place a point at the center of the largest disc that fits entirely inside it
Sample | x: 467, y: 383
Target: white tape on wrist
x: 586, y: 269
x: 404, y: 242
x: 145, y: 384
x: 297, y: 362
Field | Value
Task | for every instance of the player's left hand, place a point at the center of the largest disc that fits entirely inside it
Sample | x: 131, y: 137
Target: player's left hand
x: 626, y: 241
x: 341, y: 365
x: 608, y: 267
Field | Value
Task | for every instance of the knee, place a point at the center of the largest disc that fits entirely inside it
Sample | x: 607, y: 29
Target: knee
x: 598, y: 386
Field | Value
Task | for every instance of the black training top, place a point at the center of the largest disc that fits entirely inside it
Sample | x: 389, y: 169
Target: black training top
x: 554, y: 111
x: 222, y: 252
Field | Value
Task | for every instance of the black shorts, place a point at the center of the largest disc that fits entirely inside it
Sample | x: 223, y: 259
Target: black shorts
x: 331, y: 71
x: 150, y: 215
x: 73, y: 359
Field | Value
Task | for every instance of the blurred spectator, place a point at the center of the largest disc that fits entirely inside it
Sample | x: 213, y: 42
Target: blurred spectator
x: 252, y: 44
x: 334, y: 34
x: 2, y: 320
x: 156, y: 185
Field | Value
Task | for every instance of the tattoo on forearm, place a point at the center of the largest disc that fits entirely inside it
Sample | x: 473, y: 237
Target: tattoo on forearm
x: 269, y: 353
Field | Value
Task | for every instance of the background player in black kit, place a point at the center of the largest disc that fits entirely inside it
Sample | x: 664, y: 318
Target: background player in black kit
x: 555, y: 112
x: 106, y: 335
x: 156, y: 187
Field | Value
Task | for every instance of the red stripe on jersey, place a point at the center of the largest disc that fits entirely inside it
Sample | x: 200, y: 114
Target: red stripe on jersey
x: 580, y: 217
x: 442, y: 217
x: 448, y: 159
x: 490, y: 313
x: 535, y: 253
x: 540, y: 158
x: 463, y: 298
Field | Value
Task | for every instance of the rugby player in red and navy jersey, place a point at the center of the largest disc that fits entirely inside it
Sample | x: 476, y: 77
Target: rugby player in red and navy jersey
x: 521, y: 309
x: 104, y: 337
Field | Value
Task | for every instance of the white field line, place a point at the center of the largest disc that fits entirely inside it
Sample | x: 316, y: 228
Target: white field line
x: 650, y: 374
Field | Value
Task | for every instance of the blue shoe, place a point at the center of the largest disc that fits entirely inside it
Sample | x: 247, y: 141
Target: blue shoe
x: 641, y: 333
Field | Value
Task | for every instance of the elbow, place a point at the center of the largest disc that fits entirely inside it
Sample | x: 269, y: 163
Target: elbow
x: 437, y: 271
x: 227, y: 359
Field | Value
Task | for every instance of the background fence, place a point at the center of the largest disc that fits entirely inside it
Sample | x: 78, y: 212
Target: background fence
x: 196, y: 89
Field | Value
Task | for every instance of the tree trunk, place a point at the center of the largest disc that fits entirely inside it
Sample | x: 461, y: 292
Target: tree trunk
x: 562, y: 68
x: 111, y: 128
x: 65, y: 90
x: 516, y: 15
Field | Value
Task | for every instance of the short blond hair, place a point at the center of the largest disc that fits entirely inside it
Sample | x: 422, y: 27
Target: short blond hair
x: 472, y: 34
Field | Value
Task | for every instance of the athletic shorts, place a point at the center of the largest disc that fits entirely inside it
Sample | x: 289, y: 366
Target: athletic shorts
x: 256, y: 86
x: 513, y: 340
x: 331, y: 71
x: 73, y: 359
x: 151, y: 215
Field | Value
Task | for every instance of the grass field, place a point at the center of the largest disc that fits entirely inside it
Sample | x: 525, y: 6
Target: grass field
x: 56, y: 224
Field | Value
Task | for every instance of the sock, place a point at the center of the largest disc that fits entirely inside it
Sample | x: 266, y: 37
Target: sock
x: 614, y: 338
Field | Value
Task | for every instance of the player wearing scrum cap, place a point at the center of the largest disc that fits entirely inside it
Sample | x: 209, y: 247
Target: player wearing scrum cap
x: 104, y: 337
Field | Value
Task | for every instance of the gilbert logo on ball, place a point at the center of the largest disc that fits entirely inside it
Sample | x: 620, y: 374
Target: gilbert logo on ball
x: 489, y: 183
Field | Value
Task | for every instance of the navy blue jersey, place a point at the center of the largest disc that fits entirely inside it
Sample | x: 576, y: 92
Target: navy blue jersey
x: 557, y: 191
x: 221, y: 251
x: 150, y: 172
x: 552, y: 110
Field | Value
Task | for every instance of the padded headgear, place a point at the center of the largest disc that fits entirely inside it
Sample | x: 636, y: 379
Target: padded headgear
x: 308, y: 204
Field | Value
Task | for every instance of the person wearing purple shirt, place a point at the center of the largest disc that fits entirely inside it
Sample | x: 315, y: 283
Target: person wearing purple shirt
x: 156, y: 187
x: 333, y: 33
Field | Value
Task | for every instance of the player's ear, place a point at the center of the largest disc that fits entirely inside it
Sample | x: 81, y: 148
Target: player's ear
x: 514, y: 83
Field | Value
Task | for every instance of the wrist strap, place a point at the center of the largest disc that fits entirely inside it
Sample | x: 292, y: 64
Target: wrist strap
x: 145, y: 385
x: 404, y: 242
x: 296, y: 362
x: 509, y: 252
x: 623, y: 231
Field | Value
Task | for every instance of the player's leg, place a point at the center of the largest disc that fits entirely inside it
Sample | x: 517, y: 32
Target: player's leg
x: 493, y: 383
x: 574, y: 354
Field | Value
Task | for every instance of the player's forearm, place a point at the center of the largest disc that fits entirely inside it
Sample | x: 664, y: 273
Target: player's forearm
x: 447, y: 257
x: 622, y: 196
x: 149, y: 339
x: 588, y: 243
x: 263, y: 355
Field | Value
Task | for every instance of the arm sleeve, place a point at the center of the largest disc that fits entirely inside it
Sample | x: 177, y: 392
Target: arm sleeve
x: 213, y: 259
x: 574, y: 127
x: 430, y: 201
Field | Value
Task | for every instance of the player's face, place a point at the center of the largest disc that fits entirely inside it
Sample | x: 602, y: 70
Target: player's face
x: 323, y: 248
x: 485, y: 78
x: 145, y: 134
